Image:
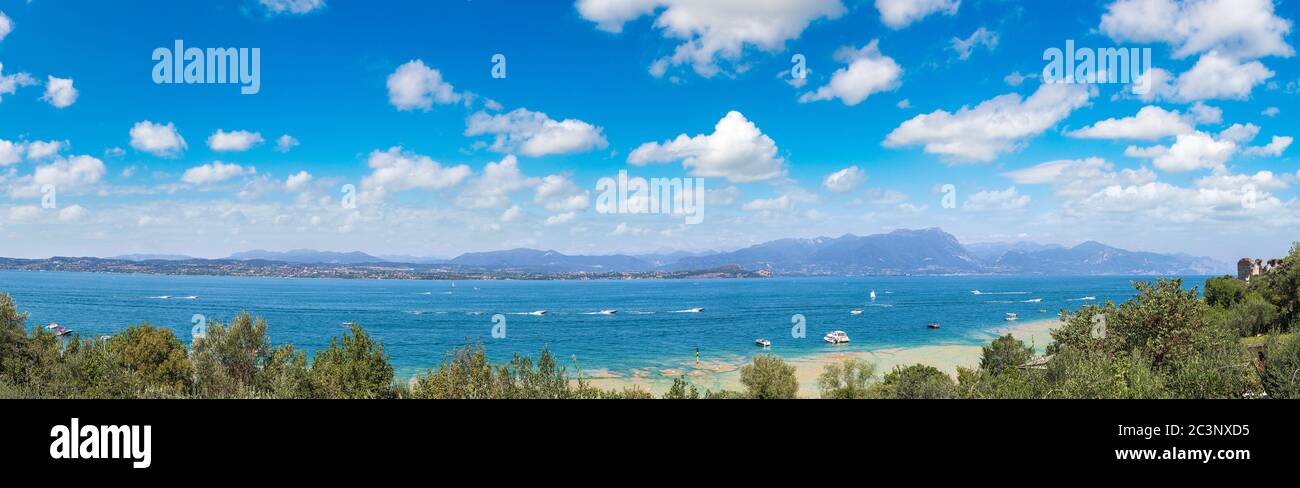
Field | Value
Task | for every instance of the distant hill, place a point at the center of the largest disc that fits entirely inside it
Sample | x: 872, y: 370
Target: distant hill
x: 550, y: 261
x: 926, y: 251
x: 989, y: 252
x: 306, y: 256
x: 1093, y: 258
x: 901, y: 252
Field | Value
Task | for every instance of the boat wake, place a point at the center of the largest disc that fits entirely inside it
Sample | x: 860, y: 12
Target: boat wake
x: 1084, y: 299
x: 169, y: 297
x: 690, y: 310
x: 1033, y: 300
x: 977, y: 292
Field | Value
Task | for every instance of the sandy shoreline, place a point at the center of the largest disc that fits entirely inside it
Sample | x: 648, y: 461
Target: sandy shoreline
x: 718, y: 375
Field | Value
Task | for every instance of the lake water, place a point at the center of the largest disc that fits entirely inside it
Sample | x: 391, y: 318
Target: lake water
x: 419, y: 321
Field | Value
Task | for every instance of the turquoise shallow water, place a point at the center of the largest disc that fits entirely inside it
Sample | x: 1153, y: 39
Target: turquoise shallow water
x: 419, y: 321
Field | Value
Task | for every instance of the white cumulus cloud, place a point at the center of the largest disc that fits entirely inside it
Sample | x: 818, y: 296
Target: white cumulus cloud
x: 736, y: 150
x: 868, y: 72
x: 59, y: 92
x: 535, y: 134
x: 416, y: 86
x: 234, y: 141
x: 1238, y: 28
x: 157, y: 139
x: 845, y: 180
x: 214, y: 172
x: 1150, y: 123
x: 713, y: 31
x: 898, y: 14
x: 993, y: 127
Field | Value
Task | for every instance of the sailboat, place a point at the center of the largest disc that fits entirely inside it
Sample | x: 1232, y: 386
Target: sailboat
x: 873, y: 295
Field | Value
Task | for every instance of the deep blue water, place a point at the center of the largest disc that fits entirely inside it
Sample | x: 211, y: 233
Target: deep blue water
x: 419, y: 321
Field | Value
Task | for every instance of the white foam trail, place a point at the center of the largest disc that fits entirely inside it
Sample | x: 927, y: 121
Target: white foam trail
x: 977, y: 292
x: 1033, y: 300
x: 1084, y: 299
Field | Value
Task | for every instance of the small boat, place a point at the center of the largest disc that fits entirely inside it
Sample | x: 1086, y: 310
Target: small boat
x: 1034, y: 300
x: 856, y: 312
x: 933, y: 325
x: 538, y: 313
x: 349, y: 324
x: 61, y: 331
x: 1042, y: 310
x: 607, y: 312
x: 762, y: 342
x: 873, y: 295
x: 1012, y: 317
x: 976, y: 292
x: 693, y: 310
x: 837, y: 337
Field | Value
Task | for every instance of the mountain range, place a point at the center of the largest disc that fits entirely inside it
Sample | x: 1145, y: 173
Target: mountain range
x: 901, y: 252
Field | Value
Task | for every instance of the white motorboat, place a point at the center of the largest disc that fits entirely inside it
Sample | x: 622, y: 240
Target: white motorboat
x: 538, y: 313
x: 856, y: 312
x: 608, y: 312
x: 1012, y: 317
x: 762, y: 342
x: 837, y: 337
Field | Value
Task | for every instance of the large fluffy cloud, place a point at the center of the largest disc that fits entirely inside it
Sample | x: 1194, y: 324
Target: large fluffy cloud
x: 736, y: 150
x: 898, y: 14
x: 395, y: 170
x: 993, y: 127
x: 713, y: 31
x: 157, y: 139
x: 1236, y: 28
x: 1190, y: 152
x: 493, y: 188
x: 70, y: 173
x: 867, y: 72
x: 416, y: 86
x: 535, y: 134
x: 1150, y: 123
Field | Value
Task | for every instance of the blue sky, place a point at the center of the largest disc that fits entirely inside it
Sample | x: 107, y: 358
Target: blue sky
x: 398, y: 99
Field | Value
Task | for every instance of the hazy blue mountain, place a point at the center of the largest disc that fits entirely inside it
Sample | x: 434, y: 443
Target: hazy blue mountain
x: 927, y: 251
x: 989, y: 252
x: 1095, y: 258
x: 306, y: 256
x: 924, y: 251
x: 535, y: 260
